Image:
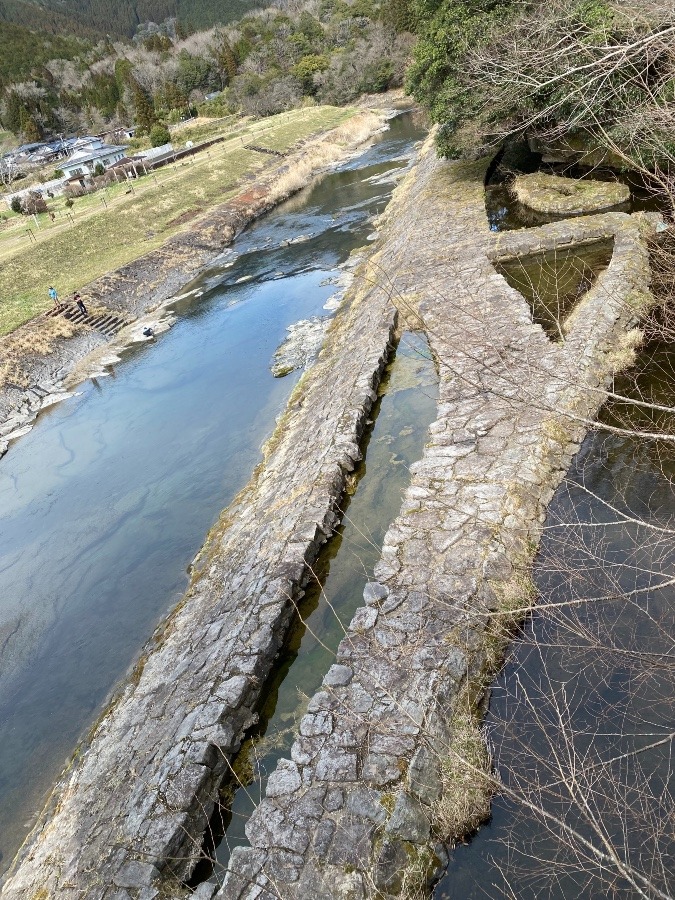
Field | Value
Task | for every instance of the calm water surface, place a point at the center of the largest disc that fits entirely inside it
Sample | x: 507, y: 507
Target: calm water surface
x: 104, y: 504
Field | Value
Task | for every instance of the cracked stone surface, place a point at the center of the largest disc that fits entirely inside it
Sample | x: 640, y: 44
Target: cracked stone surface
x: 134, y: 806
x: 512, y: 411
x: 354, y: 806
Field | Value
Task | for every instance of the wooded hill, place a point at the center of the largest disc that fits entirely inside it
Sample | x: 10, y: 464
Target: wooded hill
x: 117, y: 18
x: 263, y: 64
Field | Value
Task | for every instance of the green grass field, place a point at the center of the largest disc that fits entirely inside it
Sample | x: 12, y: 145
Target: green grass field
x: 69, y: 253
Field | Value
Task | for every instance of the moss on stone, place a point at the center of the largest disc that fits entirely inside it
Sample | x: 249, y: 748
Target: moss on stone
x: 568, y: 196
x: 388, y: 801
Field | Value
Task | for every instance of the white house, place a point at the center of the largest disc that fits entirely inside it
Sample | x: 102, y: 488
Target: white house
x: 88, y: 154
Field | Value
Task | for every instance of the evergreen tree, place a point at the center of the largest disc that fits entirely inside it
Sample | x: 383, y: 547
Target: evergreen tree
x: 226, y: 60
x: 399, y: 14
x: 32, y: 131
x: 159, y: 135
x: 144, y: 111
x: 123, y: 75
x: 14, y: 114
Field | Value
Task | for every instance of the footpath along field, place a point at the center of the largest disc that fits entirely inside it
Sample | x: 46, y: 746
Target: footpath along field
x: 100, y: 237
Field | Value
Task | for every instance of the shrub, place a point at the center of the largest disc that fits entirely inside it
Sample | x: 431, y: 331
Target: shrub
x: 99, y: 169
x: 69, y: 202
x: 217, y: 107
x: 16, y: 205
x: 58, y: 173
x: 376, y: 77
x: 34, y: 203
x: 159, y: 135
x: 307, y: 68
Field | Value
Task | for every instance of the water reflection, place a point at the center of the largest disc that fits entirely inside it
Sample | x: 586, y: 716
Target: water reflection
x: 554, y: 281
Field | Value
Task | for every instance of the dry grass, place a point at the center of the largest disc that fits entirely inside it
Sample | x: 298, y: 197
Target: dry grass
x: 104, y: 239
x: 326, y: 152
x: 38, y: 339
x: 467, y: 781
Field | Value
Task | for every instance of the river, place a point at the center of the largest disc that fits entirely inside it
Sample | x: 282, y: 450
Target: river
x: 104, y: 504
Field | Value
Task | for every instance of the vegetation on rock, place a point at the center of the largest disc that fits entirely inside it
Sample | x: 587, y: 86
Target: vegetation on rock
x: 602, y: 71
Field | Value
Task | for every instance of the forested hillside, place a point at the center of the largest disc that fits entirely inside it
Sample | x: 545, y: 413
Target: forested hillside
x: 119, y: 18
x: 23, y: 51
x: 263, y: 64
x: 487, y: 70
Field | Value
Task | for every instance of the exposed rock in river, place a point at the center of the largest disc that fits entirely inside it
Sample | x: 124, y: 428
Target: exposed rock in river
x: 301, y: 347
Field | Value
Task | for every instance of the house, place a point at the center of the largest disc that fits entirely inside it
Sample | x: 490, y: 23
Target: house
x: 88, y: 153
x: 117, y: 135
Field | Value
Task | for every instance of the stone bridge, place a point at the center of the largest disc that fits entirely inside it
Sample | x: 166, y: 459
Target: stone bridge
x: 389, y: 751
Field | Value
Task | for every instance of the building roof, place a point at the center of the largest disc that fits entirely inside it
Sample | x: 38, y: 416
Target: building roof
x: 85, y: 156
x: 29, y: 148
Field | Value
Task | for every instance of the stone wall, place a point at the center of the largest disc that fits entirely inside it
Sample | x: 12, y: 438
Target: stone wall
x: 389, y: 762
x: 131, y: 812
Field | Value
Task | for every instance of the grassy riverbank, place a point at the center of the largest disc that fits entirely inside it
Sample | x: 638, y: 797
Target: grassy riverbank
x: 102, y: 236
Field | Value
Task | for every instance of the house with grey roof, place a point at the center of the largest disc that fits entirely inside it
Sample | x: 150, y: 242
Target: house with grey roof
x: 87, y: 155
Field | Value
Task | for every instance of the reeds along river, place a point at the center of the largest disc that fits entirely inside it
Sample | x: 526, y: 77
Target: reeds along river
x: 104, y: 504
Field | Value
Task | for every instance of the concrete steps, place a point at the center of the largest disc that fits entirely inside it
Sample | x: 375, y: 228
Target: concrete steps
x: 108, y: 323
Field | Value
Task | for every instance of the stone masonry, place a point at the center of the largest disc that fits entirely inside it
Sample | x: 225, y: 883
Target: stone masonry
x: 355, y: 812
x: 361, y: 809
x: 134, y: 806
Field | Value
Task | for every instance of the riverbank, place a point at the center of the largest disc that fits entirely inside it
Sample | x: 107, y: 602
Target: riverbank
x: 37, y: 359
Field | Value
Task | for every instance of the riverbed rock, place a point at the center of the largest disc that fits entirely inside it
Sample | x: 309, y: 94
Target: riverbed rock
x: 301, y: 345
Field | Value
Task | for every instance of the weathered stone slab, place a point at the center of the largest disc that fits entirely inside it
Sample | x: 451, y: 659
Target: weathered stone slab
x: 132, y: 811
x: 512, y: 411
x: 553, y: 194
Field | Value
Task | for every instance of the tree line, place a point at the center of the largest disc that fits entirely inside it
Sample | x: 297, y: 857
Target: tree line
x: 326, y: 51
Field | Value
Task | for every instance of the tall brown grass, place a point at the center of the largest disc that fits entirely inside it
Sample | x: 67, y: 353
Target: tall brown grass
x: 326, y: 151
x: 38, y: 338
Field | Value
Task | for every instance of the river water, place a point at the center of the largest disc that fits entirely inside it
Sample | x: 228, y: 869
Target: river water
x: 106, y: 501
